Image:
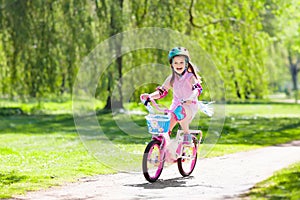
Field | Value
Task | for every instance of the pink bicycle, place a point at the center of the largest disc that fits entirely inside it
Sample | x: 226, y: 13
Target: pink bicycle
x: 163, y: 149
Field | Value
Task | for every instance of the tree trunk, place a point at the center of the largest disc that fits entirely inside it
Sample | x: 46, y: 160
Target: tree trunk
x: 120, y: 75
x: 116, y: 25
x: 294, y: 69
x: 108, y: 100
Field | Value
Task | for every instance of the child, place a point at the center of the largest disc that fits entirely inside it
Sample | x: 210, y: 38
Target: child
x: 186, y: 89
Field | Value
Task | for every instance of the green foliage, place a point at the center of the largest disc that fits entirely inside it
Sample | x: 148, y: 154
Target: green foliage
x: 232, y: 33
x: 42, y: 43
x: 281, y: 22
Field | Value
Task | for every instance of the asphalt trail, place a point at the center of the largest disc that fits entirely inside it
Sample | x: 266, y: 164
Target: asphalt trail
x: 223, y: 177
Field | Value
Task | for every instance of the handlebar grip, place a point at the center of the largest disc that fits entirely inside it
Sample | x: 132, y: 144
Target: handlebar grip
x: 147, y: 101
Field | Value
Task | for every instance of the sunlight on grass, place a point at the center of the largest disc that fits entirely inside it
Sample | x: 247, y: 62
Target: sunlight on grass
x: 264, y: 110
x: 38, y: 150
x: 223, y: 149
x: 34, y: 161
x: 52, y: 106
x: 284, y: 184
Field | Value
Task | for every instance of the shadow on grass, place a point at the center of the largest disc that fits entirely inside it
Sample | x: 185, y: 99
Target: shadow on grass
x: 64, y: 124
x: 11, y: 178
x: 236, y: 130
x: 260, y: 130
x: 37, y: 124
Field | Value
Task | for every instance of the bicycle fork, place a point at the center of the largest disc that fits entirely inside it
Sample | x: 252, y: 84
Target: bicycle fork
x: 179, y: 150
x: 162, y: 141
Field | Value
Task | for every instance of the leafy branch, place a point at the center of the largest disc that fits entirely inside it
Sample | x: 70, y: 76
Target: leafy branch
x: 232, y: 19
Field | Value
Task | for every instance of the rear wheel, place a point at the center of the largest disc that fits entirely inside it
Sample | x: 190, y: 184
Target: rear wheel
x: 187, y: 162
x: 153, y: 161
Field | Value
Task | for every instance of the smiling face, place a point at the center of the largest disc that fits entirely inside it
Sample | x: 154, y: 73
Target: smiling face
x: 179, y: 64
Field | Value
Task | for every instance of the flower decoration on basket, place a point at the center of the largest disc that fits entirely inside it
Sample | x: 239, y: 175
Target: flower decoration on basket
x: 154, y: 124
x: 158, y: 123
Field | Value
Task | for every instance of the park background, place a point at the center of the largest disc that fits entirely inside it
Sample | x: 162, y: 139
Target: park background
x: 254, y: 44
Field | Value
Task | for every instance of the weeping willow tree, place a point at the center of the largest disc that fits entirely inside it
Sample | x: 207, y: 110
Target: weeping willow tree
x: 281, y: 20
x: 41, y: 46
x: 42, y: 43
x: 232, y: 33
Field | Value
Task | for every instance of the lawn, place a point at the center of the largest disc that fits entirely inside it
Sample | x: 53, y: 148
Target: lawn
x: 284, y: 184
x: 41, y: 148
x: 41, y: 151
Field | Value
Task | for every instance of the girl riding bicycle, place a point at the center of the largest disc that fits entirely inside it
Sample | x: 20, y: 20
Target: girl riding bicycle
x: 186, y: 86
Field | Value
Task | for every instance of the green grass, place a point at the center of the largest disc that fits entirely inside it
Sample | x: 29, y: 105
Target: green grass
x: 43, y: 149
x: 284, y: 184
x: 40, y: 161
x: 60, y: 105
x: 223, y: 149
x: 270, y: 110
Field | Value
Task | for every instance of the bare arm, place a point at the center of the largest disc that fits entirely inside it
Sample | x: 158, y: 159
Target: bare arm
x: 161, y: 91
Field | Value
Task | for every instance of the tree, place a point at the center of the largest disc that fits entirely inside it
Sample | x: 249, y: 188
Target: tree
x: 43, y: 42
x: 114, y: 12
x: 232, y: 33
x: 284, y: 28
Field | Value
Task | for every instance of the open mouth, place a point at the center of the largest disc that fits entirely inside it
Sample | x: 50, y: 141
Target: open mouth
x: 178, y: 69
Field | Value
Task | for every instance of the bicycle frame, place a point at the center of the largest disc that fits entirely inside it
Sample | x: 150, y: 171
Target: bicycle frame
x: 161, y: 150
x: 164, y: 138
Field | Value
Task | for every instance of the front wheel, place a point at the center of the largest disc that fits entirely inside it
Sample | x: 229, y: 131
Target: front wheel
x: 153, y: 161
x: 187, y: 162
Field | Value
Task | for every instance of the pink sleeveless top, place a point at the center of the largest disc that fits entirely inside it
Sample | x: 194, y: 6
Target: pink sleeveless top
x: 182, y: 89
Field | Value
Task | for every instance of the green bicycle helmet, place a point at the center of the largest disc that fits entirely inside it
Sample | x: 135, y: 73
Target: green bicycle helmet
x: 178, y: 51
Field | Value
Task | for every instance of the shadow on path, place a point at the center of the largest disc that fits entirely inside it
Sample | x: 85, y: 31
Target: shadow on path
x: 167, y: 183
x: 161, y: 184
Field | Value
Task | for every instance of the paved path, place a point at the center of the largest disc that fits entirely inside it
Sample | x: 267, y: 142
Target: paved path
x: 215, y: 178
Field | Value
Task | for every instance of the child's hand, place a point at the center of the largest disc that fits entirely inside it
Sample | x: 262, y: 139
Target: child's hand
x: 145, y: 96
x: 188, y: 102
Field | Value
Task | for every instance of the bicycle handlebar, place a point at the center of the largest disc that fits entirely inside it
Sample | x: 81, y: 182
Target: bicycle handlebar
x: 147, y: 101
x: 147, y: 104
x: 205, y: 108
